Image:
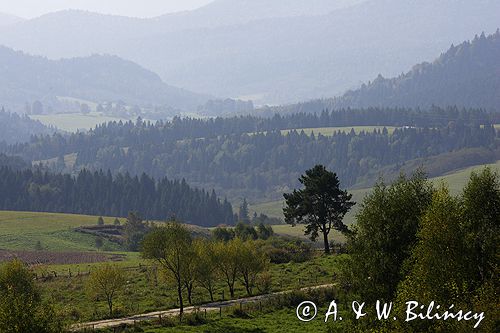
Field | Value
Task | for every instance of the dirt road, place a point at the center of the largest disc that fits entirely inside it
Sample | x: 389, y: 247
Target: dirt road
x: 209, y: 307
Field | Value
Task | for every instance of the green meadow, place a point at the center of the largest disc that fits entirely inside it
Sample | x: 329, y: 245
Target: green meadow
x: 55, y: 232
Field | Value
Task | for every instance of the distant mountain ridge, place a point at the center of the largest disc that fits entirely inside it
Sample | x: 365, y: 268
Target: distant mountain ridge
x: 236, y: 12
x: 100, y: 78
x: 235, y: 49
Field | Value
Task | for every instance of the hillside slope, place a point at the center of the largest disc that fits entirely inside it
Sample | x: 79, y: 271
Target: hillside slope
x: 25, y: 79
x: 14, y: 128
x: 467, y: 75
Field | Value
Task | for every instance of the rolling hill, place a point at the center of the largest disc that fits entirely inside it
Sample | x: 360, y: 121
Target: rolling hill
x: 285, y: 55
x: 98, y: 78
x: 467, y: 75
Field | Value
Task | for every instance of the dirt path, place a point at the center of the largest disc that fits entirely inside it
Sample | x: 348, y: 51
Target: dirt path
x: 210, y: 307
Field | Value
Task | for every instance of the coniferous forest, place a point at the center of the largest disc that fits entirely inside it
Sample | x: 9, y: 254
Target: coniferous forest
x: 255, y: 158
x: 100, y: 193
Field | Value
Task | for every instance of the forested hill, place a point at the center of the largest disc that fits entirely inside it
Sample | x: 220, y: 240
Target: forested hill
x: 26, y: 79
x: 467, y: 75
x: 252, y: 157
x: 99, y: 193
x: 15, y: 128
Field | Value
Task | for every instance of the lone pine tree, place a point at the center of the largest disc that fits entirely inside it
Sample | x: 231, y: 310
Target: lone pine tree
x: 321, y: 205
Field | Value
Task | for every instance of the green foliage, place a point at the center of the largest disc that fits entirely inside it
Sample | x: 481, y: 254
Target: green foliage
x: 227, y: 259
x: 106, y: 281
x: 282, y: 250
x: 207, y: 273
x: 481, y: 223
x: 245, y: 231
x: 385, y: 234
x: 321, y: 205
x: 264, y: 231
x: 21, y: 307
x: 223, y: 234
x: 171, y: 247
x: 264, y: 282
x: 456, y: 258
x: 251, y: 262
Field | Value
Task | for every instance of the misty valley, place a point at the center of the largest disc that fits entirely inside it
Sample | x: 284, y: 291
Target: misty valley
x: 250, y: 166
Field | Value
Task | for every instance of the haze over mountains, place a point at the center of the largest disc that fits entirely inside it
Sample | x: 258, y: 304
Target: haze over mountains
x: 6, y: 19
x: 25, y: 79
x: 296, y: 51
x: 467, y: 75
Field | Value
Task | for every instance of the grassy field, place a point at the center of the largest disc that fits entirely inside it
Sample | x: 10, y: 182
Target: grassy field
x: 146, y: 291
x: 55, y: 232
x: 72, y: 122
x: 283, y: 320
x: 457, y: 180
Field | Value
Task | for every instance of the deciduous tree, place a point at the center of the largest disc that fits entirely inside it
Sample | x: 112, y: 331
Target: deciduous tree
x: 106, y: 281
x: 252, y: 262
x: 385, y: 234
x: 227, y: 258
x: 21, y: 306
x: 207, y: 273
x: 171, y: 247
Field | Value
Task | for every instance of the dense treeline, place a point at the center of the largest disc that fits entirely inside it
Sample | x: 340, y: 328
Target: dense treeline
x: 99, y: 193
x: 248, y: 156
x: 415, y: 242
x: 125, y: 134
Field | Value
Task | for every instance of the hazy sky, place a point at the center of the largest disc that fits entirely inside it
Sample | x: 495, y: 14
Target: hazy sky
x: 137, y: 8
